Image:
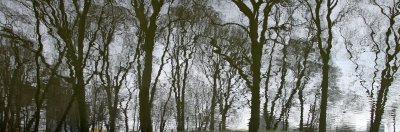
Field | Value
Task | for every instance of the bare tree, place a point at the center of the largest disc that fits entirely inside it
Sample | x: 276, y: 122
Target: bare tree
x: 67, y: 24
x: 148, y: 28
x: 254, y: 12
x: 324, y: 49
x: 227, y: 96
x: 390, y: 47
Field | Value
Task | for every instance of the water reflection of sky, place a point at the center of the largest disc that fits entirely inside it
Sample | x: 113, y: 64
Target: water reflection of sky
x: 353, y: 109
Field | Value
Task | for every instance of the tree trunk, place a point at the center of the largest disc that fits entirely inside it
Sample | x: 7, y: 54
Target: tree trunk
x: 301, y: 99
x: 223, y: 121
x: 225, y: 103
x: 114, y: 111
x: 266, y: 84
x: 79, y: 67
x: 214, y: 96
x: 386, y: 76
x: 324, y: 93
x: 145, y: 106
x: 257, y: 41
x: 255, y: 89
x: 164, y: 110
x: 381, y: 101
x: 325, y: 54
x: 300, y: 85
x: 81, y: 98
x: 144, y: 109
x: 149, y: 26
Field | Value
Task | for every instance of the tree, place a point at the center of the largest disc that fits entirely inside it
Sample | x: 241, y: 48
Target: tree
x: 181, y: 56
x: 212, y: 68
x: 14, y: 82
x: 156, y: 65
x: 111, y: 78
x: 147, y: 30
x: 72, y: 30
x: 43, y: 80
x: 227, y: 96
x: 257, y: 10
x: 324, y: 49
x: 390, y: 47
x: 301, y: 71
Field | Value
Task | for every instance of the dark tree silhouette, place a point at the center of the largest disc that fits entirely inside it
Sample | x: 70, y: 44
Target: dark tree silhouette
x: 147, y: 29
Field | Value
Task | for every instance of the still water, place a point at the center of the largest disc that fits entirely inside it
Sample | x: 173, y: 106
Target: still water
x: 353, y: 116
